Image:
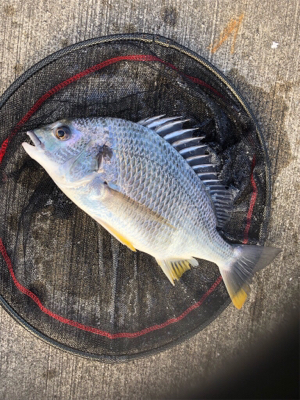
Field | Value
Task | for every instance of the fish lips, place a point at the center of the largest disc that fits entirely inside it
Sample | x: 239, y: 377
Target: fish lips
x: 37, y: 146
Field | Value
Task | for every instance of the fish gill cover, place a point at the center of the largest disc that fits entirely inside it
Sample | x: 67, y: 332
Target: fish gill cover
x: 62, y: 275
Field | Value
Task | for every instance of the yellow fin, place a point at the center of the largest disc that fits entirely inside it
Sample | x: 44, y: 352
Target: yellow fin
x: 239, y: 298
x: 174, y: 269
x: 238, y: 270
x: 117, y: 235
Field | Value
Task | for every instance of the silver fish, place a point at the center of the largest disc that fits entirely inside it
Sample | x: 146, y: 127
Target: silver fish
x: 138, y: 186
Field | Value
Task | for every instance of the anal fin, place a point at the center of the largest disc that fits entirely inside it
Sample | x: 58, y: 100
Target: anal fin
x: 174, y: 268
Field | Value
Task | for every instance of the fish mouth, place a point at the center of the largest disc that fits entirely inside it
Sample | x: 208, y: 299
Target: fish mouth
x: 36, y: 146
x: 35, y: 140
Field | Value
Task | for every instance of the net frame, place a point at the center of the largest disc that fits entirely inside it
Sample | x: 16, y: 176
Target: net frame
x: 154, y: 40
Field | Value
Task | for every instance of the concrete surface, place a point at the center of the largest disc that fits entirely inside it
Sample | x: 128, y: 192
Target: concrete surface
x: 264, y: 65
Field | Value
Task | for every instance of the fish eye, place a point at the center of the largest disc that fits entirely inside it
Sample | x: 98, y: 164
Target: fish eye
x: 62, y: 133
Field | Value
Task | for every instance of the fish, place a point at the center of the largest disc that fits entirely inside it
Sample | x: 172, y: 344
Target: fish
x: 151, y: 184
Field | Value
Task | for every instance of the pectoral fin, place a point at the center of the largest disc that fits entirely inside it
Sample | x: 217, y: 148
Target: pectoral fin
x: 128, y: 213
x: 117, y: 235
x: 174, y: 269
x: 115, y: 200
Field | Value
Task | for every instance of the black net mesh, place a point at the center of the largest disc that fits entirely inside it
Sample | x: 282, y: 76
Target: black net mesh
x: 61, y: 274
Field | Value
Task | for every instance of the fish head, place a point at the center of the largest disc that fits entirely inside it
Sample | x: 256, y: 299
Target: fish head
x: 56, y: 145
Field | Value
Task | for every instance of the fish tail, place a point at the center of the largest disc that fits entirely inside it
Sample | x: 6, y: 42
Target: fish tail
x: 237, y: 272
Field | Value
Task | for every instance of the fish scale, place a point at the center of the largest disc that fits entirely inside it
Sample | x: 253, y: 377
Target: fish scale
x: 131, y: 180
x: 170, y: 177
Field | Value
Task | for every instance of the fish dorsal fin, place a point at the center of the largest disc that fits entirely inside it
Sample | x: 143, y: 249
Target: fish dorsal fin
x: 175, y: 268
x: 198, y: 155
x: 170, y: 128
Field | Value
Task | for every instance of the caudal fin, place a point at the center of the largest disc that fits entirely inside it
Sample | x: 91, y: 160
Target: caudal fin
x: 238, y: 271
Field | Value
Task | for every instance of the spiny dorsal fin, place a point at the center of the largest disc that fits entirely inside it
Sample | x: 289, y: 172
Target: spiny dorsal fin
x: 175, y: 268
x: 198, y: 155
x: 170, y: 128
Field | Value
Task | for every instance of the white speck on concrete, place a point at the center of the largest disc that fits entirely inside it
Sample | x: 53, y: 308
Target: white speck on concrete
x: 274, y: 45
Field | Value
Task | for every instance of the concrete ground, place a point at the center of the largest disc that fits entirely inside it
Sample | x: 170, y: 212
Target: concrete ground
x: 259, y: 52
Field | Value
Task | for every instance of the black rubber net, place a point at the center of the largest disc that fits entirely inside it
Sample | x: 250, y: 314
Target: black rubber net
x: 63, y: 276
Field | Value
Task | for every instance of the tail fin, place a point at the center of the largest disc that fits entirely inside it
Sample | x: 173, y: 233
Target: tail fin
x: 238, y: 271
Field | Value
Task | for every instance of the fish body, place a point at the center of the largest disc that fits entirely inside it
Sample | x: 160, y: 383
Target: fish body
x: 139, y: 187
